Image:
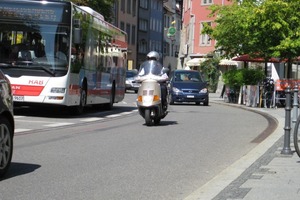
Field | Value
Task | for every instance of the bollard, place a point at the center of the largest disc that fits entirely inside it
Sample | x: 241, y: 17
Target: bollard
x: 287, y: 128
x: 295, y: 103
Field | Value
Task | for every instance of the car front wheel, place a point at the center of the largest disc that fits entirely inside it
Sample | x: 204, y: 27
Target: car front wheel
x: 6, y: 144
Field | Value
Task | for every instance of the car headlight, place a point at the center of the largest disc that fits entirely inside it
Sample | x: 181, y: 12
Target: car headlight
x: 176, y: 90
x: 204, y: 90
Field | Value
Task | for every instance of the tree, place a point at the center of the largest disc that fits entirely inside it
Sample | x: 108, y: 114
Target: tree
x: 210, y: 70
x: 260, y: 28
x: 104, y: 7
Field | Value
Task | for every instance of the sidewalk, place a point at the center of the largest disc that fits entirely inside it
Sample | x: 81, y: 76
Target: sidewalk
x: 263, y: 174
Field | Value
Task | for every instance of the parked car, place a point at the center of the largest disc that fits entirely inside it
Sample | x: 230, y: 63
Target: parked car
x: 187, y: 86
x: 7, y: 125
x: 130, y: 74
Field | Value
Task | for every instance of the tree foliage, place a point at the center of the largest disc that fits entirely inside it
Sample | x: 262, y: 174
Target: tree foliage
x: 104, y: 7
x: 261, y: 28
x: 236, y: 78
x: 210, y: 70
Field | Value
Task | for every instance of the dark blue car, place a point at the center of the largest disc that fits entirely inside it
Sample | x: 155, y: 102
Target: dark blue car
x: 187, y: 86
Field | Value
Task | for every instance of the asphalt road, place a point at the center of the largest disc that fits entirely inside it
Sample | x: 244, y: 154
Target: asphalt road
x: 114, y: 155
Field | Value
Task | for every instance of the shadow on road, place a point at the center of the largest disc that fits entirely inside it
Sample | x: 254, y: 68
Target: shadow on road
x: 17, y: 169
x: 63, y: 112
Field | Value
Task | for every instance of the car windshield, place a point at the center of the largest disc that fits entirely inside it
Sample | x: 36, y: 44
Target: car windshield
x: 150, y: 67
x: 188, y: 76
x: 130, y: 74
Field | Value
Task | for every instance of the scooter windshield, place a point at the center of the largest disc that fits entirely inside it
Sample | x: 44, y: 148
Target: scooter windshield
x: 150, y: 67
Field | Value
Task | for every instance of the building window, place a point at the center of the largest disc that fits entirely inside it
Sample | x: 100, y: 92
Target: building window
x: 206, y: 2
x: 133, y: 35
x: 122, y: 2
x: 133, y: 7
x: 144, y: 4
x: 166, y: 49
x: 204, y: 38
x: 143, y: 25
x: 122, y: 26
x: 142, y: 46
x: 129, y: 6
x: 154, y: 4
x: 128, y: 31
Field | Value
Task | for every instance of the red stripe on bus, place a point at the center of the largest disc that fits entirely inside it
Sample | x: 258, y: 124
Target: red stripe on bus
x: 26, y: 90
x: 74, y: 89
x: 99, y: 92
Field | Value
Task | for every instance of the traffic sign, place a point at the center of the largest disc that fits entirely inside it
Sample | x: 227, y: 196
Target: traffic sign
x: 171, y: 31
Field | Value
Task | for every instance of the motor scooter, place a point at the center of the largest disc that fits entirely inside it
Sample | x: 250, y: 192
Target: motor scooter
x: 149, y: 97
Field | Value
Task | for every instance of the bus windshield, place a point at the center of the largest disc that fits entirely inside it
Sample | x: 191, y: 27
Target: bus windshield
x: 33, y: 46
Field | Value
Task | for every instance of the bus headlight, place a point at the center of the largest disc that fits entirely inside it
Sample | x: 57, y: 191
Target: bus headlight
x: 55, y: 97
x: 58, y: 90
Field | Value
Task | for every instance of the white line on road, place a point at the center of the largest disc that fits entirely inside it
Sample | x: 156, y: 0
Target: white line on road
x: 31, y: 121
x: 92, y: 119
x: 111, y: 116
x: 58, y: 124
x: 17, y: 130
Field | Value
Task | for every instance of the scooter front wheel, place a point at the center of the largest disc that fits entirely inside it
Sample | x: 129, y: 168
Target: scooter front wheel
x: 156, y: 121
x: 148, y: 119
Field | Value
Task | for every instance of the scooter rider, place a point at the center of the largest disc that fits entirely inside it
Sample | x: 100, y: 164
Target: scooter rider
x: 153, y: 55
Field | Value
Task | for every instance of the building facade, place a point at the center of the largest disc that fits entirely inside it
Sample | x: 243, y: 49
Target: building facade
x: 150, y: 28
x: 172, y: 27
x: 147, y: 23
x: 194, y: 44
x: 126, y: 18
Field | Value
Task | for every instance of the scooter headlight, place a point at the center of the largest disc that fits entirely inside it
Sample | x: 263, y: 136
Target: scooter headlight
x: 140, y: 99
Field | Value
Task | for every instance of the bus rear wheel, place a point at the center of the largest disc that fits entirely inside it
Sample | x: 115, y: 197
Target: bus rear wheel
x: 109, y: 106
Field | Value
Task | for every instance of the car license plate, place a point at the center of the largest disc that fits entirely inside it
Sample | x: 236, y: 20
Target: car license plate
x: 18, y: 98
x: 190, y: 96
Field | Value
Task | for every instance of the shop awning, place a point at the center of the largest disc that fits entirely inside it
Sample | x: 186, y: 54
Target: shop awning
x: 228, y: 62
x: 248, y: 58
x: 195, y: 62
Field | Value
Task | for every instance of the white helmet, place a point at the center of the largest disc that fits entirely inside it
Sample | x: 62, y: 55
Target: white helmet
x: 153, y: 55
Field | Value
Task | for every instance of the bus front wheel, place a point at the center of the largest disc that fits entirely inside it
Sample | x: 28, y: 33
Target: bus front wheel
x: 82, y: 102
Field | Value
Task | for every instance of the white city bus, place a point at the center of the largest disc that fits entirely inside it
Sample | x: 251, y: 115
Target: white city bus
x: 57, y: 53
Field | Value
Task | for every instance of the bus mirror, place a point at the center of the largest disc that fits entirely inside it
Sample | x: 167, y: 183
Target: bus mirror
x: 77, y: 36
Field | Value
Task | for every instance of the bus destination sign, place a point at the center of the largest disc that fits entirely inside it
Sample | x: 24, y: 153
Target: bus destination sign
x: 30, y: 13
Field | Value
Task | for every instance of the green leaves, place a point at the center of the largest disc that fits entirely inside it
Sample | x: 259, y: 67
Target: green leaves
x: 263, y: 28
x: 104, y: 7
x: 246, y: 76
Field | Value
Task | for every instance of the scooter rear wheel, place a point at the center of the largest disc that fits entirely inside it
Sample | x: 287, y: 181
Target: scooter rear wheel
x: 148, y: 119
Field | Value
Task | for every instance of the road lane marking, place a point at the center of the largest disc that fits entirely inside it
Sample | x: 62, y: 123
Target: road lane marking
x: 17, y: 130
x: 58, y: 124
x: 92, y: 119
x: 113, y: 115
x: 33, y: 121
